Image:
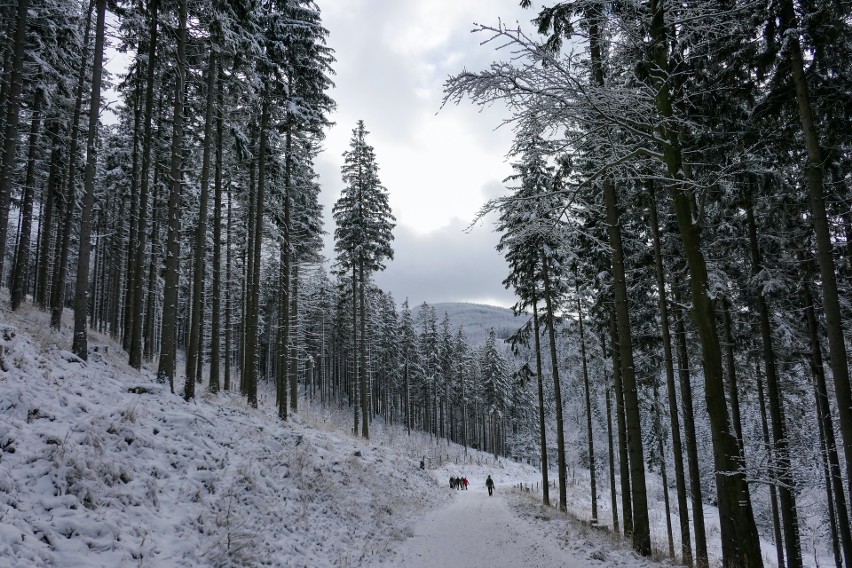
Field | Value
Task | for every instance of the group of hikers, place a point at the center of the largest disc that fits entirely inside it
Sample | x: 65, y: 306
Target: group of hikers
x: 461, y: 483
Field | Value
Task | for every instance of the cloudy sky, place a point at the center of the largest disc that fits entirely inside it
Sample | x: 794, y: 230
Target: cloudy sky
x: 439, y: 165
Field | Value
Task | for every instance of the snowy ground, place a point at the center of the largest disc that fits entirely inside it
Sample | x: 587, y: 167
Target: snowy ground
x: 100, y: 466
x: 504, y: 531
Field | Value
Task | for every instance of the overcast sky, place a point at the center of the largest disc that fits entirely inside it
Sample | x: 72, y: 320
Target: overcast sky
x: 439, y: 165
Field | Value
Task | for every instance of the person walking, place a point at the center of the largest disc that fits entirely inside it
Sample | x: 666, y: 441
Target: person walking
x: 489, y: 483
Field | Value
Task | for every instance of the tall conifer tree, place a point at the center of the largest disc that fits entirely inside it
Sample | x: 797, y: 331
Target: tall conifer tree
x: 362, y: 241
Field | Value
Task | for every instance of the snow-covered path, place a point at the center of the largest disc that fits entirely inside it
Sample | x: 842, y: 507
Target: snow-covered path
x: 478, y: 531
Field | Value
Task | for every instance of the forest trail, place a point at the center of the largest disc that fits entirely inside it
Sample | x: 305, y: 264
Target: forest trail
x: 478, y: 531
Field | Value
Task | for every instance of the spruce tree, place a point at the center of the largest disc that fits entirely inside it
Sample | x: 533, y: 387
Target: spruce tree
x: 362, y: 241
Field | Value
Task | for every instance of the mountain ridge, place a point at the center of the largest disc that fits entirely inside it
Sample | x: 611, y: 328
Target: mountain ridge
x: 476, y: 320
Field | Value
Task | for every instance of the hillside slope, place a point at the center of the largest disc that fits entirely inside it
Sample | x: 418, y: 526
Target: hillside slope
x: 100, y: 466
x: 477, y: 319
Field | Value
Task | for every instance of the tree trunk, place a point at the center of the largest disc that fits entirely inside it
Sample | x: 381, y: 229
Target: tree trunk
x: 668, y: 360
x: 250, y: 372
x: 61, y: 264
x: 168, y: 338
x: 740, y: 540
x: 829, y: 498
x: 816, y: 190
x: 229, y: 287
x: 407, y: 400
x: 293, y: 336
x: 116, y: 279
x: 47, y: 230
x: 701, y: 559
x: 773, y: 495
x: 354, y: 381
x: 287, y: 271
x: 658, y: 428
x: 133, y: 236
x: 783, y: 475
x: 21, y: 266
x: 10, y: 133
x: 557, y: 387
x: 587, y: 389
x: 283, y: 331
x: 247, y: 274
x: 136, y: 296
x: 621, y: 422
x: 150, y: 292
x: 81, y: 293
x: 362, y: 353
x: 545, y: 484
x: 194, y: 358
x: 835, y: 479
x: 641, y: 524
x: 727, y: 330
x: 611, y: 442
x: 216, y: 321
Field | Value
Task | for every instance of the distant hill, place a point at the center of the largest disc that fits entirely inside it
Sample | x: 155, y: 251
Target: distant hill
x: 477, y: 319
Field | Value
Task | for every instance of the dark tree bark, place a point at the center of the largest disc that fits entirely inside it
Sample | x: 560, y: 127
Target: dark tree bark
x: 250, y: 371
x: 10, y: 131
x: 150, y: 295
x: 355, y: 358
x: 136, y: 295
x: 545, y: 484
x: 641, y: 535
x: 557, y: 387
x: 215, y: 324
x: 588, y: 393
x: 407, y: 402
x: 362, y: 353
x: 286, y: 265
x: 658, y: 428
x: 733, y: 390
x: 814, y: 172
x: 621, y: 423
x: 70, y: 200
x: 133, y: 236
x: 773, y: 494
x: 668, y: 360
x: 740, y: 540
x: 248, y: 273
x: 293, y: 327
x: 81, y: 293
x: 21, y: 266
x: 641, y: 531
x: 119, y: 253
x: 168, y: 337
x: 783, y: 475
x: 194, y: 361
x: 834, y: 479
x: 701, y: 559
x: 47, y: 230
x: 229, y: 287
x: 283, y: 328
x: 611, y: 449
x: 290, y: 275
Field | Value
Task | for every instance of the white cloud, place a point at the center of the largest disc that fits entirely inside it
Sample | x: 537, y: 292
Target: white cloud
x: 439, y: 165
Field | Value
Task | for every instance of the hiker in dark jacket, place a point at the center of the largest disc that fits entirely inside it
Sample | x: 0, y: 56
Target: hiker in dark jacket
x: 489, y: 483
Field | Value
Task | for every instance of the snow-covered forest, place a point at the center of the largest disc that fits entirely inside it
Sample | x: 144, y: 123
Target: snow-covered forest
x: 677, y: 233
